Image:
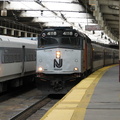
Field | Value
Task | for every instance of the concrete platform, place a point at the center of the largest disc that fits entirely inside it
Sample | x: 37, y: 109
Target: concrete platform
x: 105, y: 102
x: 97, y: 97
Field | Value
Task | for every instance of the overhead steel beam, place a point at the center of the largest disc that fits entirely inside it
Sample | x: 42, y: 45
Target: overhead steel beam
x: 113, y: 22
x: 100, y: 10
x: 106, y: 9
x: 22, y: 6
x: 108, y: 2
x: 50, y: 14
x: 114, y: 26
x: 36, y: 7
x: 111, y: 17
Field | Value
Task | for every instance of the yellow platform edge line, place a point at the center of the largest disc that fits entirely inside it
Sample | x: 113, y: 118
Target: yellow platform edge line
x: 78, y: 113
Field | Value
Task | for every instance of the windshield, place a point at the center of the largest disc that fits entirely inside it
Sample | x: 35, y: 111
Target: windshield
x: 61, y: 41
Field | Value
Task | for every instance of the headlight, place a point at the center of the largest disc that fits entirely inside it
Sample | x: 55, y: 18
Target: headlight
x: 76, y: 69
x: 58, y: 54
x: 40, y: 69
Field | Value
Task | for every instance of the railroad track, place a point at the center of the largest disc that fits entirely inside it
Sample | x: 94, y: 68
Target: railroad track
x: 29, y: 105
x: 32, y: 109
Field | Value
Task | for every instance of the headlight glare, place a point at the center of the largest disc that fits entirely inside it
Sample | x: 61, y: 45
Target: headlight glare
x: 58, y: 54
x: 40, y: 69
x: 76, y: 69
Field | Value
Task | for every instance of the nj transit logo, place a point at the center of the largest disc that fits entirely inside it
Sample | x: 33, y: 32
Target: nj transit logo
x: 58, y: 63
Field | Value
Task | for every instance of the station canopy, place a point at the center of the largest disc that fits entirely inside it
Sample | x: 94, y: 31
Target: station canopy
x: 84, y: 15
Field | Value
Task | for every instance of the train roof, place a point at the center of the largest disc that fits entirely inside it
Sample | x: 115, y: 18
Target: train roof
x: 58, y: 28
x: 107, y: 45
x: 15, y: 39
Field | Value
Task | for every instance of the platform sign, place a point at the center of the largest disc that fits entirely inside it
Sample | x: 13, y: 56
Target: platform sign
x: 92, y: 27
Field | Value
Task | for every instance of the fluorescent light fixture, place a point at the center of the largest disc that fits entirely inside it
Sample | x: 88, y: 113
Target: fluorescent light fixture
x: 47, y: 19
x: 69, y: 1
x: 36, y: 14
x: 63, y: 6
x: 56, y: 24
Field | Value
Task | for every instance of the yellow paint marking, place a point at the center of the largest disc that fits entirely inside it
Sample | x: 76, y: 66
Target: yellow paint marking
x: 84, y: 84
x: 67, y: 106
x: 75, y: 95
x: 73, y: 105
x: 60, y: 115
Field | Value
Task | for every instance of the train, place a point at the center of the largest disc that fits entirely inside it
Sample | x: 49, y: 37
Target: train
x: 17, y: 61
x: 65, y: 54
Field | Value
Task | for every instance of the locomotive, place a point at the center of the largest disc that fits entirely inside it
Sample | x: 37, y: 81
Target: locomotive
x: 65, y: 54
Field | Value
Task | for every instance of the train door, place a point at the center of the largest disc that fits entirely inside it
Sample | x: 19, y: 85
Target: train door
x: 23, y: 60
x: 92, y: 57
x: 89, y: 55
x: 85, y: 56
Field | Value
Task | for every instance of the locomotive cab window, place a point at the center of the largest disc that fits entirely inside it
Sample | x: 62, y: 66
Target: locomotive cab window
x: 61, y: 38
x: 75, y: 42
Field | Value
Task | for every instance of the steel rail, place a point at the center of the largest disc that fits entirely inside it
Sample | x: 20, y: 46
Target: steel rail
x: 31, y: 110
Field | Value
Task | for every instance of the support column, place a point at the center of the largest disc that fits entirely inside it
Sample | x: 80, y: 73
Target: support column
x: 25, y: 34
x: 31, y: 34
x: 12, y: 32
x: 119, y: 41
x: 36, y: 35
x: 5, y: 31
x: 19, y: 33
